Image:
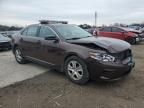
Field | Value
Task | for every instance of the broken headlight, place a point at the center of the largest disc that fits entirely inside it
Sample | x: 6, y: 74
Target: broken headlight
x: 102, y: 57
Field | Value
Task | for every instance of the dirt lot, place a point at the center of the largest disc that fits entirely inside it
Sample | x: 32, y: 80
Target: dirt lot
x: 53, y: 90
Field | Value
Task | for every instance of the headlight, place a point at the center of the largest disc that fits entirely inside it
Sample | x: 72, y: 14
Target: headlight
x: 102, y: 57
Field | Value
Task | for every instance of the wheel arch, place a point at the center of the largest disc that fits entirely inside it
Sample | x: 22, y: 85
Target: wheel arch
x: 69, y: 55
x: 13, y: 48
x: 66, y: 57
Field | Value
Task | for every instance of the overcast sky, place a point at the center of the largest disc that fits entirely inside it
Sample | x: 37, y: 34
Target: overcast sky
x: 24, y: 12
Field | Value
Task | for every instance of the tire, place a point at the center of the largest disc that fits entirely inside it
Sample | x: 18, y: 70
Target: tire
x: 132, y: 41
x: 79, y: 74
x: 18, y: 56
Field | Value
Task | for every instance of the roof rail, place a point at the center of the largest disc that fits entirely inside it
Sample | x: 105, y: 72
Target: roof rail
x: 52, y: 22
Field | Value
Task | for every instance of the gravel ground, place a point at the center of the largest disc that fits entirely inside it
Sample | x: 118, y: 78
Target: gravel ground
x: 53, y: 90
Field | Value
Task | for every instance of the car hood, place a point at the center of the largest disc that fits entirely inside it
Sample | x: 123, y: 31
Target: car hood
x: 4, y: 39
x: 133, y: 30
x: 110, y: 44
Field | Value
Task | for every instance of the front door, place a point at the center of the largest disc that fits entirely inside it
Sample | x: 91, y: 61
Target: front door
x: 50, y: 50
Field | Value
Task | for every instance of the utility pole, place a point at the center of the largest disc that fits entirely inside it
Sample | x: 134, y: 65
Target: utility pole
x: 95, y: 18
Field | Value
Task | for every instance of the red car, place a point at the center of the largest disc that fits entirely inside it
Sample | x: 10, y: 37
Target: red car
x: 126, y: 34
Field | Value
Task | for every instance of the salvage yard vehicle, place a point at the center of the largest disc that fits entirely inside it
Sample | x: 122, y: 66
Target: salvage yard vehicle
x: 130, y: 35
x: 74, y: 51
x: 90, y: 30
x: 5, y: 42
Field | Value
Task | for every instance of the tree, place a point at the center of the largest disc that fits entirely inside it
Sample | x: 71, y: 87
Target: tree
x: 9, y: 28
x: 85, y: 26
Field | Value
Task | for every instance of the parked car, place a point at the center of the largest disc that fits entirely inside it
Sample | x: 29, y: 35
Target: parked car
x: 74, y: 51
x: 4, y: 34
x: 11, y: 33
x: 5, y: 43
x: 8, y: 34
x: 91, y: 30
x: 130, y: 35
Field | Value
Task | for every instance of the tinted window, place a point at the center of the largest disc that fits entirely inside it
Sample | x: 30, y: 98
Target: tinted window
x: 114, y: 29
x: 32, y: 31
x: 46, y: 32
x: 106, y: 29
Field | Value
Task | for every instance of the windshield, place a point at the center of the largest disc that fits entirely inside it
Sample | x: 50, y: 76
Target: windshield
x: 72, y: 32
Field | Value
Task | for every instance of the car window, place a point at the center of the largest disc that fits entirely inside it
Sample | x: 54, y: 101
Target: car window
x: 46, y: 32
x: 32, y: 31
x: 114, y: 29
x: 106, y: 29
x: 24, y: 32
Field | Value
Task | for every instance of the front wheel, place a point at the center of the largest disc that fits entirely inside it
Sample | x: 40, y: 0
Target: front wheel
x: 18, y: 55
x: 132, y: 41
x: 76, y: 70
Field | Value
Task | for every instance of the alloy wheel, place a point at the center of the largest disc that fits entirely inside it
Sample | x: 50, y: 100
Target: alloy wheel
x: 18, y: 55
x: 75, y: 70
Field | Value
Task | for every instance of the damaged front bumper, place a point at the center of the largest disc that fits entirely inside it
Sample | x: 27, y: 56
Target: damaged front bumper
x: 109, y: 71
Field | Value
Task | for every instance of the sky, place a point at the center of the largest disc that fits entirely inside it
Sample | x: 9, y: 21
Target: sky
x: 25, y: 12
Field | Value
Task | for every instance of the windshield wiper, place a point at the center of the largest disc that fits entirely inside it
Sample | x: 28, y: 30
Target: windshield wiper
x: 73, y: 38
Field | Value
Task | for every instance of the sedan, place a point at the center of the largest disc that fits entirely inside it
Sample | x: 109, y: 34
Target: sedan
x: 5, y: 43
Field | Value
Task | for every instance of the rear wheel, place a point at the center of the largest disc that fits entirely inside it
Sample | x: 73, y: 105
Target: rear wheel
x: 76, y: 70
x: 18, y: 55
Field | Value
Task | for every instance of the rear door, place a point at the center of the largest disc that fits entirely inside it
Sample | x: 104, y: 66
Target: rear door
x: 118, y: 33
x: 30, y: 42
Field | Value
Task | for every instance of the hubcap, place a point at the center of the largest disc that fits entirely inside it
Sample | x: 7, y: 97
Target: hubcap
x: 75, y: 70
x: 18, y: 55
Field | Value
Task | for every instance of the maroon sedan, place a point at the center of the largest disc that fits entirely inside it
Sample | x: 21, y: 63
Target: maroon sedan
x: 74, y: 51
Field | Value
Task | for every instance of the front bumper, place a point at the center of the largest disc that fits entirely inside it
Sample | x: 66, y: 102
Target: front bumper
x: 108, y: 71
x: 5, y: 45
